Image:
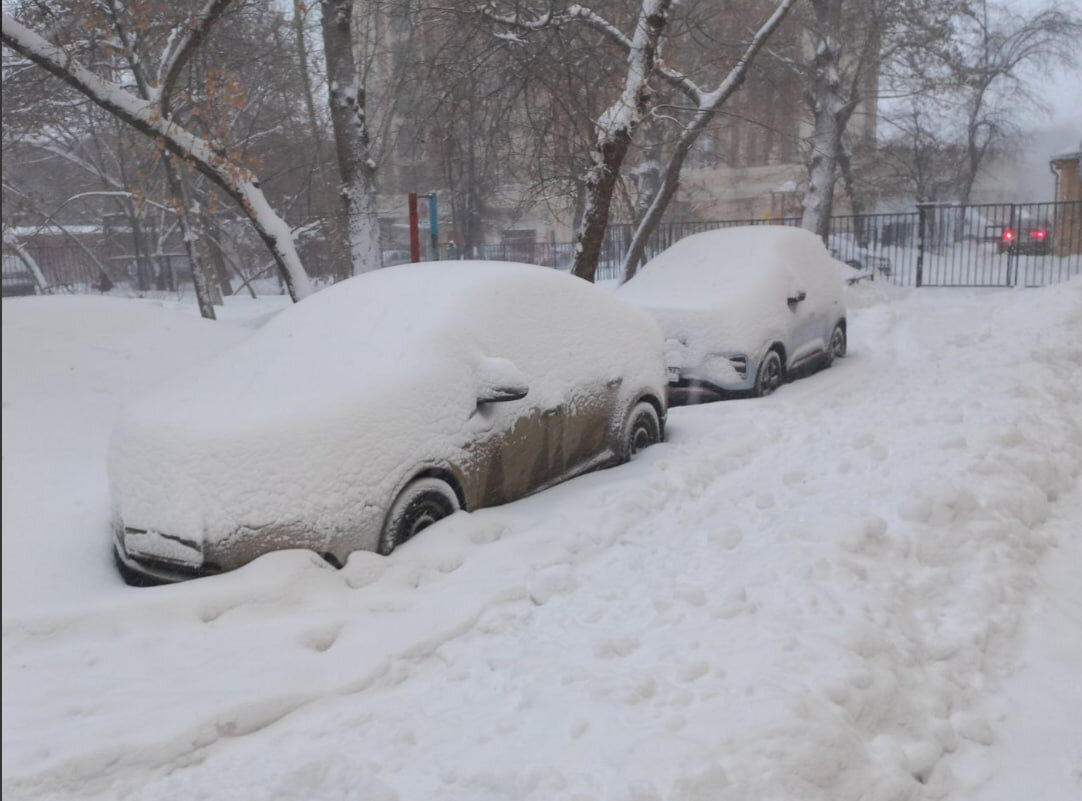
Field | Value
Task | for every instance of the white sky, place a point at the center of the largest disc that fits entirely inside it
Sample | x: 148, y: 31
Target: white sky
x: 1063, y: 88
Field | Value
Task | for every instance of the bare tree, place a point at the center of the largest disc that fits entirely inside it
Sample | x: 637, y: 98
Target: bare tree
x: 657, y: 185
x: 149, y: 116
x: 919, y: 155
x: 356, y: 166
x: 996, y: 44
x: 860, y: 51
x: 707, y: 103
x: 616, y: 125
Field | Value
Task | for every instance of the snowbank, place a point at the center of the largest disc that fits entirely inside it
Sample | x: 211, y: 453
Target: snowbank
x: 69, y: 364
x: 860, y: 587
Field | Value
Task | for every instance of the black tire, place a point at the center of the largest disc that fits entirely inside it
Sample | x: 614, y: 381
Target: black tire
x: 838, y: 345
x: 131, y: 577
x: 770, y: 375
x: 423, y: 502
x: 643, y: 429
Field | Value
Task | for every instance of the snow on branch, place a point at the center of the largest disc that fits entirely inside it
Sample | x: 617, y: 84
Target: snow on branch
x: 585, y: 15
x: 708, y: 105
x: 182, y: 43
x: 146, y: 117
x: 736, y: 75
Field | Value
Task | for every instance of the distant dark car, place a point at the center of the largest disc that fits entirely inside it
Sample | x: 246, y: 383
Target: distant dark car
x: 1028, y: 238
x: 17, y: 280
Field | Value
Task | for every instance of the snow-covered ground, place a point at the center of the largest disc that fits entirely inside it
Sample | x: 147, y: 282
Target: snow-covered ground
x: 862, y: 587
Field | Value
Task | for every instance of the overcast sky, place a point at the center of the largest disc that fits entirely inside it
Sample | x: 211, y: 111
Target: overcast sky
x: 1064, y: 95
x: 1062, y: 91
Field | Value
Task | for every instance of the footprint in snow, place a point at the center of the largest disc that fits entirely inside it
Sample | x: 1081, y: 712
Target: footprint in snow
x: 322, y: 638
x: 725, y: 538
x: 616, y: 647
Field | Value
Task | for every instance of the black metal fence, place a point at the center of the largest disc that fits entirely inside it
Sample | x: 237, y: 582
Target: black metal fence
x: 80, y: 269
x: 978, y: 245
x: 985, y: 245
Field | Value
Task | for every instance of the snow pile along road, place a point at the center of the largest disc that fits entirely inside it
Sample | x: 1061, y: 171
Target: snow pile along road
x: 69, y: 364
x: 818, y: 595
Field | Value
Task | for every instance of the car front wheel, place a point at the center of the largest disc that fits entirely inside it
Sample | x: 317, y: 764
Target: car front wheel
x: 768, y: 379
x: 423, y: 502
x: 838, y: 345
x: 643, y: 429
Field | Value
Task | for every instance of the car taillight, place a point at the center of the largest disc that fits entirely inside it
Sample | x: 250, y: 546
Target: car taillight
x: 1008, y: 235
x: 1039, y: 234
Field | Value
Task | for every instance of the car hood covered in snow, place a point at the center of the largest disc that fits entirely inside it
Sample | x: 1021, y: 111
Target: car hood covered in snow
x: 334, y: 398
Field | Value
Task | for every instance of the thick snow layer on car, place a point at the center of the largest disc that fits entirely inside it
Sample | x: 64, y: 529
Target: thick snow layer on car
x: 725, y: 291
x: 102, y: 352
x: 864, y: 586
x: 334, y: 400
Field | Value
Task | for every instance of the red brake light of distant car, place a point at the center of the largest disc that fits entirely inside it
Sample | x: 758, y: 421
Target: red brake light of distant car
x: 1039, y: 234
x: 1008, y: 235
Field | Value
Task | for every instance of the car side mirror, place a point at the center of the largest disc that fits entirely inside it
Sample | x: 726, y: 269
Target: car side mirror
x: 795, y: 299
x: 500, y: 380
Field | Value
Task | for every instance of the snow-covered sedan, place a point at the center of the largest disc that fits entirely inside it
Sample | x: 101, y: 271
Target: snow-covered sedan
x: 743, y: 309
x: 360, y: 416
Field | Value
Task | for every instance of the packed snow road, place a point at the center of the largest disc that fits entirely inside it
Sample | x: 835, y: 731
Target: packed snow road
x: 830, y: 593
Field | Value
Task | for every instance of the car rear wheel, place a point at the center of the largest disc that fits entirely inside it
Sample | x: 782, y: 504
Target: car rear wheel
x: 768, y: 379
x: 643, y: 428
x: 423, y: 502
x: 838, y: 345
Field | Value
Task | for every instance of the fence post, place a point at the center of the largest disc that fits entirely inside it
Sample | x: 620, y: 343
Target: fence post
x: 1012, y: 247
x: 434, y: 226
x: 922, y: 211
x: 415, y: 234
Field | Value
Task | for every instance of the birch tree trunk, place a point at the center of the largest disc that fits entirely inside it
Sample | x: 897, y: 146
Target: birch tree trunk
x: 337, y: 247
x: 828, y: 110
x: 649, y: 171
x: 356, y: 168
x: 614, y: 131
x: 191, y: 240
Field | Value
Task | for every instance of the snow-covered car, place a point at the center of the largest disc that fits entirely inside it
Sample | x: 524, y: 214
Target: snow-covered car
x: 743, y: 309
x: 363, y: 414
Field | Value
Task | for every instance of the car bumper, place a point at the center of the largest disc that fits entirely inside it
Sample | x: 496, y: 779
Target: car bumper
x: 688, y: 380
x: 148, y: 570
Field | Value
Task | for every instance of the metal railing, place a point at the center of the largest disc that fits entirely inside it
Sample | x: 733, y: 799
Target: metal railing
x: 943, y: 245
x: 978, y: 245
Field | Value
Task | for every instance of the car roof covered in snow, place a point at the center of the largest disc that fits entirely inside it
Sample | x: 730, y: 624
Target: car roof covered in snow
x: 728, y: 264
x: 404, y: 329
